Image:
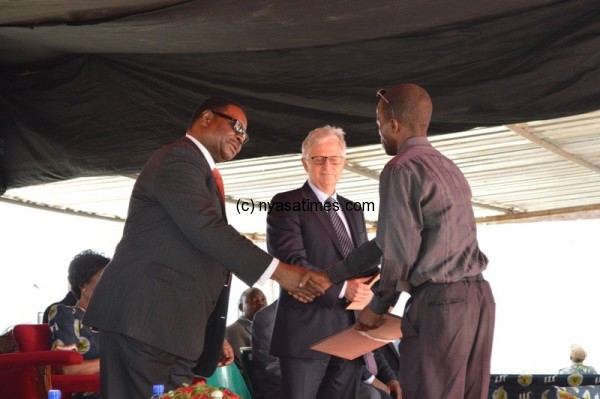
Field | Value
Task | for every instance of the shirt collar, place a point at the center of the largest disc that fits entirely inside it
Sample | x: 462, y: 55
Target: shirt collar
x: 414, y: 141
x: 209, y: 158
x: 321, y: 196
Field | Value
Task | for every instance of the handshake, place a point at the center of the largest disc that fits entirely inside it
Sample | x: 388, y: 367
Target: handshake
x: 304, y: 285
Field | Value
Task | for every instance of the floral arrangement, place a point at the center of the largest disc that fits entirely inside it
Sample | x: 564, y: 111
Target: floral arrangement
x: 200, y: 390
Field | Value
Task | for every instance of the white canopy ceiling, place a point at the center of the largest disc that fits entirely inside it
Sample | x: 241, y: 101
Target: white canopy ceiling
x: 537, y: 169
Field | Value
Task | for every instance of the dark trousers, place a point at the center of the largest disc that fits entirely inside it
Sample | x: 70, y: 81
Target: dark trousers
x: 129, y: 368
x: 331, y: 378
x: 366, y: 391
x: 445, y: 351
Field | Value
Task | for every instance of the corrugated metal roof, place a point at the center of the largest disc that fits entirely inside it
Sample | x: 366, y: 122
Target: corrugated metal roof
x: 534, y: 169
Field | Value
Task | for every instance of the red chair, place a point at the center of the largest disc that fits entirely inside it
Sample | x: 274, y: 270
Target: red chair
x: 35, y: 338
x: 25, y: 375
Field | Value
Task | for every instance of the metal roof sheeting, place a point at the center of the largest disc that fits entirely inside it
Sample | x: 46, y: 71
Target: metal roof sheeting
x: 533, y: 169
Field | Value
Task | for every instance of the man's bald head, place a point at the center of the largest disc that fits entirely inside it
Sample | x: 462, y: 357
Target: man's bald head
x: 412, y: 107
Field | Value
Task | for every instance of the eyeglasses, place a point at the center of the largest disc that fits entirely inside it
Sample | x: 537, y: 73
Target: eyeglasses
x: 235, y: 124
x: 381, y: 94
x: 320, y: 160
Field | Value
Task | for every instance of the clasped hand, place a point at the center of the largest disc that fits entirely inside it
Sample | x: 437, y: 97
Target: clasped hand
x: 368, y: 320
x: 357, y: 290
x: 302, y: 285
x: 227, y: 355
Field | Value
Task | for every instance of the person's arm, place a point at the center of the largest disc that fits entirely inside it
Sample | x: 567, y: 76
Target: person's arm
x: 285, y: 241
x: 91, y: 366
x: 384, y: 371
x: 358, y: 263
x: 62, y: 321
x: 386, y: 376
x: 227, y: 355
x: 377, y: 383
x: 181, y: 183
x: 366, y: 377
x: 394, y: 389
x: 398, y: 235
x: 358, y: 290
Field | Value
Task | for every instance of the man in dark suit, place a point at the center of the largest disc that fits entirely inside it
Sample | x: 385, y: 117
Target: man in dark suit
x: 381, y: 383
x: 161, y: 303
x: 266, y: 372
x: 314, y: 227
x: 391, y: 355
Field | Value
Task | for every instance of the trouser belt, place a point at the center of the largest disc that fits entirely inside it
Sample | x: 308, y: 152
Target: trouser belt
x: 477, y: 277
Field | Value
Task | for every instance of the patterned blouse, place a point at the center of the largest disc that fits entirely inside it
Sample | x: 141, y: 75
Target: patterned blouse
x: 578, y: 368
x: 65, y: 325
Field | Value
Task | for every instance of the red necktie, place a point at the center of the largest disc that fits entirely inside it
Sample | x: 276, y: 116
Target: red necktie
x: 219, y: 181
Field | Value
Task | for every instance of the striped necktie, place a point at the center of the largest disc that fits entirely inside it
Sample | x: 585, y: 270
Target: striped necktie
x: 340, y: 229
x: 347, y: 247
x: 219, y: 181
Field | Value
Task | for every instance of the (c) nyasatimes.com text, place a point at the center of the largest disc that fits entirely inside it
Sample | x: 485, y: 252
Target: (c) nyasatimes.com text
x: 300, y: 206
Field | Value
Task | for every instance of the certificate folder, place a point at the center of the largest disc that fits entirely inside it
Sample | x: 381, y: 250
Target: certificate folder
x: 350, y: 343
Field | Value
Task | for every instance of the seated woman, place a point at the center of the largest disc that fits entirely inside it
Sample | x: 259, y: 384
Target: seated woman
x: 65, y: 321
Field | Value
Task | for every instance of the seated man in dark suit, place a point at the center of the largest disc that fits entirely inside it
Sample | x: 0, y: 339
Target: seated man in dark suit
x: 380, y: 381
x: 266, y: 373
x: 391, y: 355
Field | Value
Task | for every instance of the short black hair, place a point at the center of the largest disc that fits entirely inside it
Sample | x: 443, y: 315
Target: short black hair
x: 215, y: 103
x: 83, y: 267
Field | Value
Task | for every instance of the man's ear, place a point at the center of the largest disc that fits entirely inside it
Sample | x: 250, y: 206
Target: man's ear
x: 206, y: 117
x: 396, y: 125
x: 304, y: 161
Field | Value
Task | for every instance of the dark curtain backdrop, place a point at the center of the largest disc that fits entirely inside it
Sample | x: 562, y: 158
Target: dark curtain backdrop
x: 93, y: 89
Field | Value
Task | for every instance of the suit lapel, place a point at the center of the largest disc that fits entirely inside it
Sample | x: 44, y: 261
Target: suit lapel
x: 394, y: 350
x: 210, y: 181
x: 322, y: 216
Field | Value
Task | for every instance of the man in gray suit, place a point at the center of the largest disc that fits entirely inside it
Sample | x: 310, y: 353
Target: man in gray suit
x: 239, y: 333
x: 161, y: 304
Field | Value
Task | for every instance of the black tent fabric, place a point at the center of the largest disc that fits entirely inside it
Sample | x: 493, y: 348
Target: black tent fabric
x: 93, y: 89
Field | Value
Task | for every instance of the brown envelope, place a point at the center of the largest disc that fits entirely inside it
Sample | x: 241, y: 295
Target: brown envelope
x: 350, y: 343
